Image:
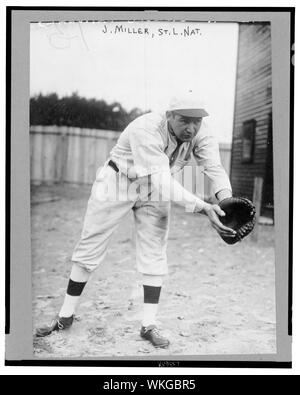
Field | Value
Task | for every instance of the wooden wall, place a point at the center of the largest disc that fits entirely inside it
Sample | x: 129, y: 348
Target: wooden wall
x: 253, y: 101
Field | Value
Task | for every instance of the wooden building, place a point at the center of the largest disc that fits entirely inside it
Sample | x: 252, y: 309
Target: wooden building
x: 252, y: 148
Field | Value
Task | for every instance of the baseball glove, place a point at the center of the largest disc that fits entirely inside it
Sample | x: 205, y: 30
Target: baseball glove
x: 240, y: 216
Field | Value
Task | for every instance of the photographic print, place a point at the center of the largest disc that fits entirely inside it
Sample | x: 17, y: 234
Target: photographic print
x: 155, y: 173
x: 89, y: 82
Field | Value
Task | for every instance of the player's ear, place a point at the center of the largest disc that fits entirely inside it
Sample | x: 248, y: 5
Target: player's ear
x: 169, y: 115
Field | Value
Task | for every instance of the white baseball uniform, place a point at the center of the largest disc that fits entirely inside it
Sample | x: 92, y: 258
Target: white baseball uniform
x: 146, y: 148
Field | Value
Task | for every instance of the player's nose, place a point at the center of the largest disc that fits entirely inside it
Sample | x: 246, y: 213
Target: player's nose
x: 190, y: 128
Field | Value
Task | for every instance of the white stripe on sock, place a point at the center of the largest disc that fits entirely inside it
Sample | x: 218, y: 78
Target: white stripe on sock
x: 149, y: 313
x: 69, y: 306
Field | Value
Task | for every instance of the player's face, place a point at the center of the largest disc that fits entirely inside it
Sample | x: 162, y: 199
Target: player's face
x: 185, y: 128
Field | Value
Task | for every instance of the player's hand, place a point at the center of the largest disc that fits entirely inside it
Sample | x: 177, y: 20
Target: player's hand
x: 213, y: 211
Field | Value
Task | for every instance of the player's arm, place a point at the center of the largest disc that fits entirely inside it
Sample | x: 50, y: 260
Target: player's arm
x: 171, y: 189
x: 150, y: 159
x: 207, y: 155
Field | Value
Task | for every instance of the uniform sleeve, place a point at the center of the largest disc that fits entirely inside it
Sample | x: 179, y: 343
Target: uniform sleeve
x: 206, y: 153
x: 171, y: 189
x: 147, y: 150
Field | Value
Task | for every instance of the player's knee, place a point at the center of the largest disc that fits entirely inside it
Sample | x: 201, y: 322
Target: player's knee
x: 89, y: 267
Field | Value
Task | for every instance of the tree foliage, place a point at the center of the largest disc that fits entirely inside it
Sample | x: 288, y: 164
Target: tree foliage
x: 79, y: 112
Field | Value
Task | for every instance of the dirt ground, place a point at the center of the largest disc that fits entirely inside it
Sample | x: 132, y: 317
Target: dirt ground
x: 217, y: 299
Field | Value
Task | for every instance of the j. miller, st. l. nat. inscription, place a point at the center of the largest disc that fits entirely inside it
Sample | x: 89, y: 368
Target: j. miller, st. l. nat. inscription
x: 187, y: 31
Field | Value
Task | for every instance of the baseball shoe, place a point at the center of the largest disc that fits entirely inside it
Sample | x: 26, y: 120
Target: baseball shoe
x: 152, y: 334
x: 58, y: 323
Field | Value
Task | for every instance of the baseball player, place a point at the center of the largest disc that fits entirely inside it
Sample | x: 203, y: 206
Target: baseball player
x: 138, y: 176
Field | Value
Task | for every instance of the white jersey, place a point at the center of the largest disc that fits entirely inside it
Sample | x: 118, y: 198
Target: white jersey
x: 146, y: 147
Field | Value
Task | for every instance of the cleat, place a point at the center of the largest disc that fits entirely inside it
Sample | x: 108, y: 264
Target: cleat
x: 152, y: 334
x: 59, y: 323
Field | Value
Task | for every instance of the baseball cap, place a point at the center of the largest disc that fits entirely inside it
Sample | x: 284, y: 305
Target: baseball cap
x: 189, y: 105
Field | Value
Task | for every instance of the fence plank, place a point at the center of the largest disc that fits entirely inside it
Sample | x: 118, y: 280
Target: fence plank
x: 91, y: 156
x: 48, y: 159
x: 37, y: 142
x: 64, y: 143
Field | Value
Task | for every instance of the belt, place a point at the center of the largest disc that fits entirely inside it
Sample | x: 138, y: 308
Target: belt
x: 113, y: 165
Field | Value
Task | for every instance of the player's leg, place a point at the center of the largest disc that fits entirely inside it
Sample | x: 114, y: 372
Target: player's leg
x: 107, y: 205
x: 77, y: 281
x: 151, y: 287
x: 152, y: 225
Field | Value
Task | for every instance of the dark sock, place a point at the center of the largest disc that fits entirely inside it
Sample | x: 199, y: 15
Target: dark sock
x: 75, y: 288
x: 151, y: 294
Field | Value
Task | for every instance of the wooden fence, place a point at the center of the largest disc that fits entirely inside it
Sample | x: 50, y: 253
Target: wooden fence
x: 72, y: 155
